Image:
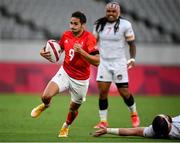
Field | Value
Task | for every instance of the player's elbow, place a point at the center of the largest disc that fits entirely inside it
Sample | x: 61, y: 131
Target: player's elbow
x: 97, y: 61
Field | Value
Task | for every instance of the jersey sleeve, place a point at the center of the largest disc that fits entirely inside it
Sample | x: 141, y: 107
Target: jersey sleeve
x: 176, y: 119
x: 91, y: 44
x: 129, y: 33
x: 148, y: 132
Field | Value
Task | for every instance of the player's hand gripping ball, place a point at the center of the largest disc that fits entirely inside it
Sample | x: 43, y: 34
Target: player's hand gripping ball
x: 55, y: 50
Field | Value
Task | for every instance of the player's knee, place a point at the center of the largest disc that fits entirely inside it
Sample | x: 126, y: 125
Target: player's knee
x: 124, y: 93
x: 103, y: 94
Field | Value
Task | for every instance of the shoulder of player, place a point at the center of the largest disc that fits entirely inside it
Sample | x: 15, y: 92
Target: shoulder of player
x: 67, y: 33
x: 124, y: 21
x: 176, y: 118
x: 89, y: 34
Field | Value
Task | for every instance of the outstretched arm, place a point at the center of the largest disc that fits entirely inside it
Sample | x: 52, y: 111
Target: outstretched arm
x: 120, y: 131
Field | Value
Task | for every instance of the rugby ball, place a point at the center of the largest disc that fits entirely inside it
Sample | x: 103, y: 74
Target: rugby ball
x: 55, y: 50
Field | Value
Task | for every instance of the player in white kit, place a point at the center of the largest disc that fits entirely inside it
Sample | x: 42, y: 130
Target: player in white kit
x: 113, y: 33
x: 163, y: 126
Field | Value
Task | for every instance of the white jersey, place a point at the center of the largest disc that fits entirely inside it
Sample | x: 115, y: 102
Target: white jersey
x: 112, y: 45
x: 174, y: 133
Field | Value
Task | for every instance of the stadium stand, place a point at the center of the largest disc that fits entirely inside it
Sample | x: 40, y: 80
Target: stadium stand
x: 154, y: 21
x: 159, y: 18
x: 25, y: 26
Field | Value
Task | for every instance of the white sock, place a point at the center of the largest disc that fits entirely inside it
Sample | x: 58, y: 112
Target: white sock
x: 103, y: 115
x: 66, y: 125
x: 132, y: 108
x: 113, y: 131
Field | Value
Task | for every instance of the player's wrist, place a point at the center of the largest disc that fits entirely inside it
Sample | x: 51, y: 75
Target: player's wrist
x: 114, y: 131
x: 132, y: 60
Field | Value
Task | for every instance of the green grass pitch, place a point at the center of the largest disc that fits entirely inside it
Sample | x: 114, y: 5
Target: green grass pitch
x: 16, y: 125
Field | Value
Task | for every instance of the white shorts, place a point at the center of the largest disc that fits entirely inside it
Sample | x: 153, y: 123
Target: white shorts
x: 77, y: 88
x: 112, y: 71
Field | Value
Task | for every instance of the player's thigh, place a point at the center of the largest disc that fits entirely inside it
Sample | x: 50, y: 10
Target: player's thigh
x: 103, y: 74
x: 61, y: 79
x: 51, y: 90
x: 78, y: 90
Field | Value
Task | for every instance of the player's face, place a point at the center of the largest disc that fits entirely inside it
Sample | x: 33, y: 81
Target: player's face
x: 112, y: 14
x: 75, y: 25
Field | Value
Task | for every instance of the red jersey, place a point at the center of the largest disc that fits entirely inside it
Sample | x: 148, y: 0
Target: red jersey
x: 75, y: 65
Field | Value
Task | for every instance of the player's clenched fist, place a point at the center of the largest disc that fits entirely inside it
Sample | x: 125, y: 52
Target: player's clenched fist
x: 77, y: 47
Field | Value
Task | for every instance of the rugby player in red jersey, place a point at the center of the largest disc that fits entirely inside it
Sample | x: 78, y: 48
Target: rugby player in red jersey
x: 80, y: 50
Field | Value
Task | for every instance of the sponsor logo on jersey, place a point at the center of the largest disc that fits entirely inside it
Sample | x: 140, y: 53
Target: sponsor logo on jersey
x: 66, y: 41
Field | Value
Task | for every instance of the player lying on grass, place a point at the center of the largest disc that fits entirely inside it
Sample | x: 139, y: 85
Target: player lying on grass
x: 163, y: 126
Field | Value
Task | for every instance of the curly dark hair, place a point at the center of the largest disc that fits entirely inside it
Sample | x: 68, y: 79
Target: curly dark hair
x: 101, y: 22
x: 80, y: 16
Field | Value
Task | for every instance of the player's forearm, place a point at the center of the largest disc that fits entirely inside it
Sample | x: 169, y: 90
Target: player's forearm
x: 92, y: 59
x: 132, y: 49
x: 132, y: 52
x: 131, y: 131
x: 126, y: 131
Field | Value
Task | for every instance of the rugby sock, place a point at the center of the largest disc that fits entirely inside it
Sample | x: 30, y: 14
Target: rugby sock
x: 103, y: 105
x: 132, y: 108
x: 131, y: 104
x: 65, y: 125
x: 46, y: 101
x: 70, y: 118
x: 103, y: 115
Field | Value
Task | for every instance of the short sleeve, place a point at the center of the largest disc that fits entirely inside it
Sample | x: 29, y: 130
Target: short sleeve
x: 129, y: 33
x: 176, y: 119
x: 148, y: 132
